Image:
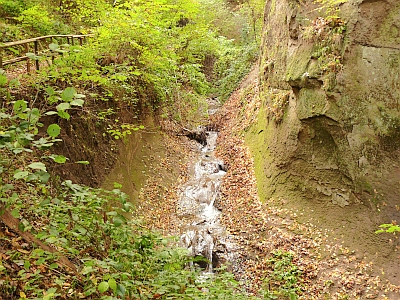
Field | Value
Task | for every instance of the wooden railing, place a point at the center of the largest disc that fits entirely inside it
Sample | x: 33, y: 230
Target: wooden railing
x: 37, y: 48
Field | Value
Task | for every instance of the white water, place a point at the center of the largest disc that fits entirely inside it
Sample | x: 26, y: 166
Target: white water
x: 197, y: 201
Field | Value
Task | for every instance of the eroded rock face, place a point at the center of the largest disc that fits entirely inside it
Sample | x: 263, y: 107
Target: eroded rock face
x: 329, y: 126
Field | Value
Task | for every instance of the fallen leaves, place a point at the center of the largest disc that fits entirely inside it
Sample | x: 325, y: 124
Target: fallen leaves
x: 260, y: 228
x: 329, y: 269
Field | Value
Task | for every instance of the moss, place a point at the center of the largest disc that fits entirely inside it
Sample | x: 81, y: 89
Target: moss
x: 273, y: 7
x: 311, y: 103
x: 277, y: 103
x: 391, y: 140
x: 362, y: 185
x: 389, y: 32
x: 256, y: 139
x: 298, y: 63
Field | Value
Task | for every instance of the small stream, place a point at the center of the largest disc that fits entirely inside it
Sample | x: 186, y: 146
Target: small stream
x: 204, y: 235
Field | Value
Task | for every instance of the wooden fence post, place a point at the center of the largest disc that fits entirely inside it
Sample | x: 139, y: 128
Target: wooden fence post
x: 28, y: 63
x: 36, y: 53
x: 38, y: 46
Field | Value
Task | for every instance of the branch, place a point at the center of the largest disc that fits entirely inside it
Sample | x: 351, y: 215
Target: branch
x: 13, y: 223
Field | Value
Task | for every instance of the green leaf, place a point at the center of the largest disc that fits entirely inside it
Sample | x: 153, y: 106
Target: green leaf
x: 32, y: 56
x: 34, y: 115
x: 119, y: 220
x: 103, y: 286
x: 4, y: 116
x: 3, y: 80
x: 63, y: 106
x: 63, y: 114
x: 43, y: 143
x: 15, y: 213
x: 293, y: 296
x: 51, y: 240
x: 6, y: 187
x: 53, y: 266
x: 14, y: 83
x: 37, y: 166
x: 53, y: 99
x: 21, y: 174
x: 54, y: 47
x: 87, y: 270
x: 27, y: 264
x: 53, y: 130
x: 82, y: 162
x: 21, y: 226
x: 113, y: 285
x: 50, y: 113
x: 50, y: 91
x: 128, y: 206
x: 20, y: 106
x: 43, y: 176
x: 121, y: 290
x: 50, y: 294
x: 60, y: 159
x: 77, y: 102
x: 68, y: 94
x: 45, y: 202
x: 31, y: 177
x: 117, y: 185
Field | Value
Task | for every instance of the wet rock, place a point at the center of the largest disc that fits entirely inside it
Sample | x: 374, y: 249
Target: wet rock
x: 200, y: 243
x: 205, y: 236
x: 199, y: 135
x: 218, y: 204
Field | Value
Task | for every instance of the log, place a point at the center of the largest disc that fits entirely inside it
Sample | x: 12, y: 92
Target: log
x: 14, y: 224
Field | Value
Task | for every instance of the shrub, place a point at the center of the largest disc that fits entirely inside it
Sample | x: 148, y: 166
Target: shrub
x: 11, y: 8
x: 37, y: 18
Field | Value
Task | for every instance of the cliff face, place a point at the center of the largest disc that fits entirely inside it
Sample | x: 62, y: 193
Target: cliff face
x: 329, y: 122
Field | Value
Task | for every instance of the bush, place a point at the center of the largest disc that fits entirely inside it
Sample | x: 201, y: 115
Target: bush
x: 37, y: 18
x: 11, y: 8
x: 234, y: 63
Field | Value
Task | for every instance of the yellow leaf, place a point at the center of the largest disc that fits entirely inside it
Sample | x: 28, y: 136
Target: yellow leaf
x: 23, y: 251
x: 22, y: 295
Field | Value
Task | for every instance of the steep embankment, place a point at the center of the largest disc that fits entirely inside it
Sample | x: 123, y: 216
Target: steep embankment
x: 285, y: 249
x: 326, y: 142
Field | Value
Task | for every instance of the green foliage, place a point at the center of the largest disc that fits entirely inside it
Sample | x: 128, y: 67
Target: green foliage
x: 328, y: 35
x: 116, y: 256
x: 235, y: 62
x: 389, y: 228
x: 123, y: 130
x: 11, y: 8
x: 330, y: 7
x: 37, y: 18
x: 144, y: 52
x: 284, y: 277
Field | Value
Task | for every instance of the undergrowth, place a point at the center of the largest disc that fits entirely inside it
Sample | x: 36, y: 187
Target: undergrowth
x: 64, y: 240
x: 70, y: 240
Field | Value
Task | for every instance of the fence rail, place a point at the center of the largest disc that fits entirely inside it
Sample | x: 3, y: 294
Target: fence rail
x: 70, y: 38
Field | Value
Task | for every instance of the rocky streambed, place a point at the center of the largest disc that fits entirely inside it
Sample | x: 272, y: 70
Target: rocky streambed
x: 203, y: 233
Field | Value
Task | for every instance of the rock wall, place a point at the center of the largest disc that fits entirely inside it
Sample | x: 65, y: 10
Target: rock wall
x: 328, y: 127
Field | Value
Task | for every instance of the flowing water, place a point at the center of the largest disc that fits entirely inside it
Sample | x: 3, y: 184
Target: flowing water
x: 205, y: 236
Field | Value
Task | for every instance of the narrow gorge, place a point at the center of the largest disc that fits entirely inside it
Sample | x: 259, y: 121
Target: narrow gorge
x: 200, y: 149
